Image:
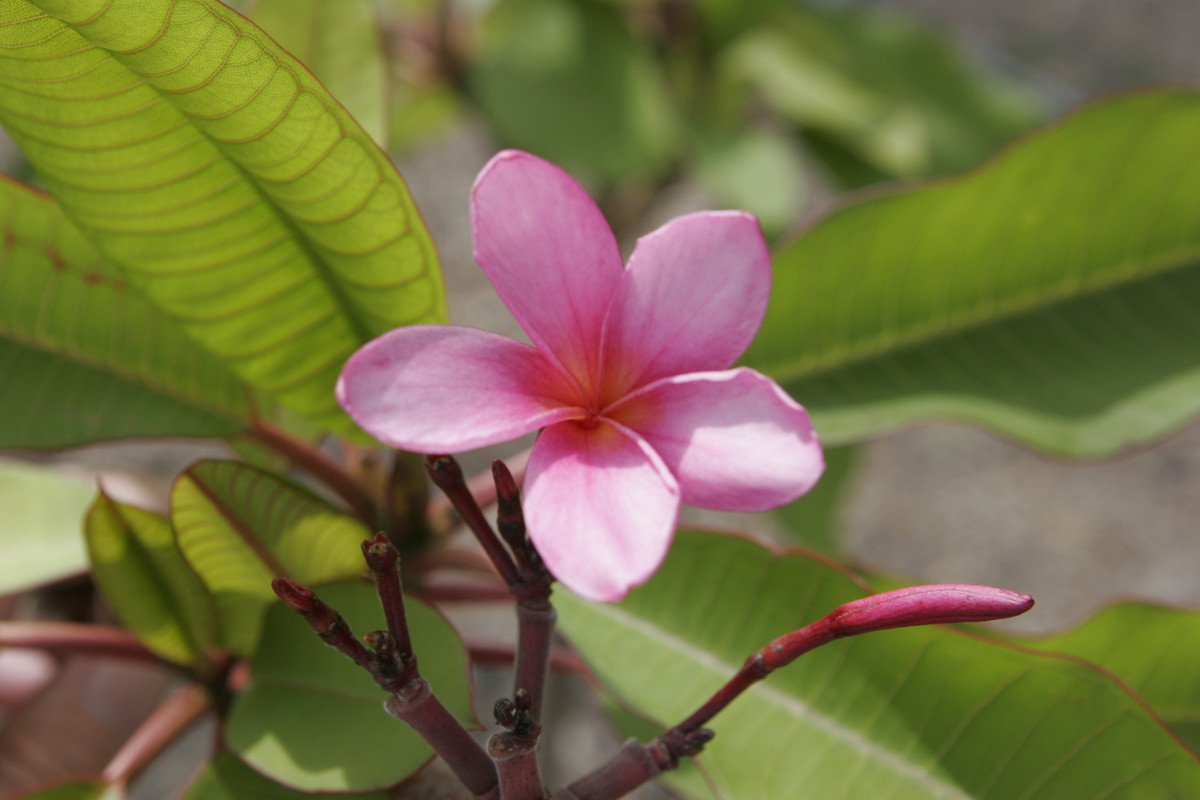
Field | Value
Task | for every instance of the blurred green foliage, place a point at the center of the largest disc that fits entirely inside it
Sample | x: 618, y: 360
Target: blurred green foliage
x: 747, y: 99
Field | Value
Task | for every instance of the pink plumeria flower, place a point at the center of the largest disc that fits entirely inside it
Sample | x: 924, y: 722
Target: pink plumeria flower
x: 627, y: 378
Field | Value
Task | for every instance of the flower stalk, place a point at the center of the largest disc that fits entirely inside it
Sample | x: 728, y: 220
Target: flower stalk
x: 529, y: 582
x: 935, y: 604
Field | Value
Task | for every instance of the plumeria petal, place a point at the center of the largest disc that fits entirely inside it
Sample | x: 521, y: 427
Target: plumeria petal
x: 549, y: 252
x: 734, y: 440
x: 443, y: 388
x: 691, y: 300
x: 601, y: 508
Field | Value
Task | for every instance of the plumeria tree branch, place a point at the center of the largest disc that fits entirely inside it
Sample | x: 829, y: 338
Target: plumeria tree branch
x: 935, y: 604
x: 518, y: 563
x: 391, y: 663
x: 159, y: 730
x: 515, y: 750
x: 71, y: 637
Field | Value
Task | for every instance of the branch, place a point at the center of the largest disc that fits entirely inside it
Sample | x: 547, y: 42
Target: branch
x: 391, y: 664
x: 515, y: 751
x: 635, y: 763
x: 161, y: 728
x: 448, y: 476
x: 71, y: 637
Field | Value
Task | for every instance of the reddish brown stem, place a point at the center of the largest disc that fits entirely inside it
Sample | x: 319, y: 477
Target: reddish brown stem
x: 417, y: 706
x: 633, y: 765
x: 517, y: 766
x: 448, y: 476
x: 318, y: 464
x: 384, y: 562
x: 327, y: 623
x: 70, y: 637
x: 412, y: 700
x: 535, y: 630
x: 161, y: 728
x: 916, y: 605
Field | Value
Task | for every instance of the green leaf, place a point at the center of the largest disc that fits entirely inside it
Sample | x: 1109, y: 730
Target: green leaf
x: 892, y: 94
x: 1049, y: 296
x: 310, y: 718
x: 227, y: 778
x: 566, y: 79
x: 148, y: 584
x: 41, y: 535
x: 82, y: 790
x: 85, y: 356
x: 224, y: 181
x: 919, y: 713
x: 1151, y: 648
x: 241, y: 527
x: 339, y: 41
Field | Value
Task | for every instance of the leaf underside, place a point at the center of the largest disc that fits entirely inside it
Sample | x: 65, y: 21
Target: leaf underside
x: 241, y: 527
x: 85, y: 356
x: 223, y: 180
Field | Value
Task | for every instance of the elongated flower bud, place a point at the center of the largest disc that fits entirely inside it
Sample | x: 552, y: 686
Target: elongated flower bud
x: 927, y: 605
x: 934, y: 604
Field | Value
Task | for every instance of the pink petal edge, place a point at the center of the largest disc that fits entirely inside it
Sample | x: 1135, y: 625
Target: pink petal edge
x: 446, y: 389
x: 601, y: 508
x: 734, y: 440
x: 691, y: 300
x: 550, y: 254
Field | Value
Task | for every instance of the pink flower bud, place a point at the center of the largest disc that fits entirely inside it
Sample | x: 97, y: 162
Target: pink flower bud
x: 927, y: 605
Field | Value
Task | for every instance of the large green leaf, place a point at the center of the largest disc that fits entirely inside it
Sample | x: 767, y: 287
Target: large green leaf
x: 241, y: 527
x: 1051, y: 296
x: 339, y: 41
x: 223, y: 179
x: 41, y: 530
x: 1152, y: 648
x: 918, y: 713
x: 85, y: 356
x: 312, y: 719
x: 139, y: 568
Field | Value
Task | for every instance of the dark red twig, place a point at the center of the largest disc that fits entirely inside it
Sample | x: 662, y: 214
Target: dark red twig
x: 448, y: 477
x: 71, y: 637
x: 515, y: 751
x: 916, y: 605
x: 327, y: 623
x: 384, y: 562
x: 394, y: 668
x: 416, y: 705
x: 535, y: 616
